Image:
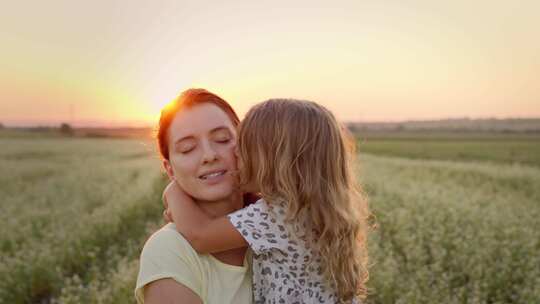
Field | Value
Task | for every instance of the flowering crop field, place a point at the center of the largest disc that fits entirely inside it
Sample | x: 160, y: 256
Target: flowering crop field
x: 453, y: 232
x: 75, y: 213
x: 74, y: 216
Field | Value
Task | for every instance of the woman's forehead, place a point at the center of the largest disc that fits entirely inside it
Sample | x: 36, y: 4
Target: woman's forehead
x: 199, y: 120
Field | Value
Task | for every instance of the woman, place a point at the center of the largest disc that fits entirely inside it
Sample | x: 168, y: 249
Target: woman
x: 197, y: 137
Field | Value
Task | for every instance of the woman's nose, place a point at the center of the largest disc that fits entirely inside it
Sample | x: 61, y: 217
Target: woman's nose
x: 209, y: 153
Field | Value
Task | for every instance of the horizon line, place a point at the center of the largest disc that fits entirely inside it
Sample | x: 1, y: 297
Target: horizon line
x: 141, y: 125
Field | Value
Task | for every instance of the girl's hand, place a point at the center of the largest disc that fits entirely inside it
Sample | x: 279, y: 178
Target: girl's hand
x: 167, y: 213
x: 167, y: 216
x: 174, y: 201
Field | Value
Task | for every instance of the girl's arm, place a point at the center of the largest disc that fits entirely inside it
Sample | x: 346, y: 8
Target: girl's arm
x: 205, y: 234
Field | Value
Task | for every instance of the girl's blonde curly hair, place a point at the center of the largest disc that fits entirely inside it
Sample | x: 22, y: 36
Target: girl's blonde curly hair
x: 296, y: 151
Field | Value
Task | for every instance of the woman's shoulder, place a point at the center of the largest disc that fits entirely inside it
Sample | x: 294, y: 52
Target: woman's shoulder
x: 167, y: 239
x: 167, y: 254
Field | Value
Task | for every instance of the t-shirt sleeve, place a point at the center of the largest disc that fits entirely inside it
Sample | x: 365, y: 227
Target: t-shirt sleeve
x: 167, y: 254
x: 259, y: 226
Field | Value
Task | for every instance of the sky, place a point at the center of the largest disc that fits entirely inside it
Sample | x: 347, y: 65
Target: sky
x: 117, y: 63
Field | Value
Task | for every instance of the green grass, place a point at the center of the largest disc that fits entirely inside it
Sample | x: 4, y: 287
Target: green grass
x: 457, y: 219
x: 490, y: 150
x: 72, y: 208
x: 453, y: 232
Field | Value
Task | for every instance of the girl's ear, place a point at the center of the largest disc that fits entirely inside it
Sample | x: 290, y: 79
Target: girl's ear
x: 168, y: 168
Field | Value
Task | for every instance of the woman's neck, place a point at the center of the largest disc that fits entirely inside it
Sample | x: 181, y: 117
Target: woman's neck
x: 219, y: 208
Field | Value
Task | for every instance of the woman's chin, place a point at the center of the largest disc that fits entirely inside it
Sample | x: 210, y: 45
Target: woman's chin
x: 214, y: 190
x: 216, y: 193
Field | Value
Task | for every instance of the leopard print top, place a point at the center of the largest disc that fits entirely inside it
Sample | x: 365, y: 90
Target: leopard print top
x: 285, y: 269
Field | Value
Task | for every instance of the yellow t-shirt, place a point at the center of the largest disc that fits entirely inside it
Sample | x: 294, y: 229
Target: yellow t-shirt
x: 167, y: 254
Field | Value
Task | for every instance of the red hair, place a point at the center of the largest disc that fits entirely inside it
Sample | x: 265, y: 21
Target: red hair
x: 186, y: 100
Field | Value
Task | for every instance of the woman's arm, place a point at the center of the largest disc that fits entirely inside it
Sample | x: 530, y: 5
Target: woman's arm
x: 169, y: 291
x: 205, y: 234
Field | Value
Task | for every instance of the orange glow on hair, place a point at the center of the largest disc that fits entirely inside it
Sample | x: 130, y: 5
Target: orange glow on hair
x: 188, y: 99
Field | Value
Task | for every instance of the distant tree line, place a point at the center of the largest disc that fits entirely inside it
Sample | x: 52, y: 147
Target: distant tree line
x: 66, y: 129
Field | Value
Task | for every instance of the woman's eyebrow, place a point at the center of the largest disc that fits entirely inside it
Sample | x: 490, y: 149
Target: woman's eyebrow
x: 220, y: 128
x: 214, y: 130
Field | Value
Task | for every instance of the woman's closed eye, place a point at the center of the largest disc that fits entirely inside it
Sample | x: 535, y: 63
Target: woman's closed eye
x: 222, y: 136
x: 223, y: 141
x: 186, y: 150
x: 186, y: 146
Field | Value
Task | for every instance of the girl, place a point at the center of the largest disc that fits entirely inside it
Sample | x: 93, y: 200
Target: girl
x: 308, y: 232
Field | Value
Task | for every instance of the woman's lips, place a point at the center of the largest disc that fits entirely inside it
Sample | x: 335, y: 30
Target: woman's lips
x: 213, y: 177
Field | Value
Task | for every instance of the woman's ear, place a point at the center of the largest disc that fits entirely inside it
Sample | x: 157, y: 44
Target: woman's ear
x: 168, y: 168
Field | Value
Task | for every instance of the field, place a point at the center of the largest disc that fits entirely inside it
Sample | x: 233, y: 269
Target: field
x: 457, y: 219
x: 519, y: 148
x: 74, y: 214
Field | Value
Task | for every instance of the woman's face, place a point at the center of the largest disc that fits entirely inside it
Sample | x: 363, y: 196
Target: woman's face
x: 202, y: 140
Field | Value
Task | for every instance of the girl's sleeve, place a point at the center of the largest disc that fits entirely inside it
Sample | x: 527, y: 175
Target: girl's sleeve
x: 259, y: 227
